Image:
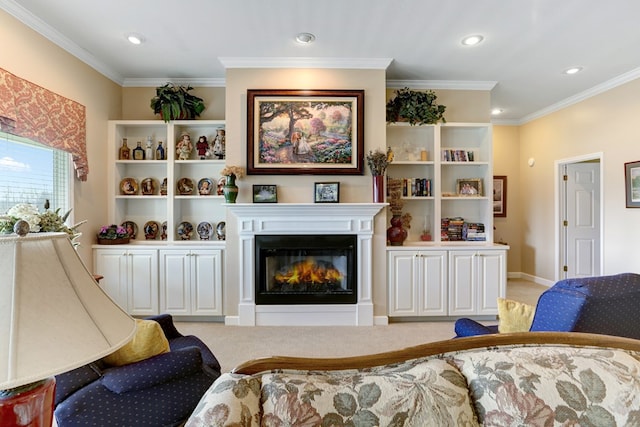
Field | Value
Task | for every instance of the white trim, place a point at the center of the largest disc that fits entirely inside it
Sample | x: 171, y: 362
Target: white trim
x: 442, y: 84
x: 155, y: 82
x: 305, y: 62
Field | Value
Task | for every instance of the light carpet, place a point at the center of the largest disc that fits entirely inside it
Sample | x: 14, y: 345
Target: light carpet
x: 233, y: 345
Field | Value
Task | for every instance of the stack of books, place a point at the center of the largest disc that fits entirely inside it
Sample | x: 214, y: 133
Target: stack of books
x: 457, y: 156
x: 451, y: 229
x: 416, y: 187
x: 473, y: 231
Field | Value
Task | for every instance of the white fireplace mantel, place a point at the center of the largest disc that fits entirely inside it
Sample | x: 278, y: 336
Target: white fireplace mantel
x: 305, y: 218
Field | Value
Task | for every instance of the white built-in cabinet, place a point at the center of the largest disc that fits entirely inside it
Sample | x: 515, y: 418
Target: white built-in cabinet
x: 137, y: 275
x: 445, y: 281
x: 439, y: 277
x: 130, y: 277
x: 417, y: 283
x: 187, y: 279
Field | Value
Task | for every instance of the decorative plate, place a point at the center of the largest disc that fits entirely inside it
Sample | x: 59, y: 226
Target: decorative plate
x: 131, y: 227
x: 148, y: 186
x: 129, y: 187
x: 205, y: 187
x: 205, y: 230
x: 185, y: 229
x: 151, y: 229
x: 185, y: 186
x: 221, y: 230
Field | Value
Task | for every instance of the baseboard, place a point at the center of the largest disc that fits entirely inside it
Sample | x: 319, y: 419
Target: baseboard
x: 531, y: 278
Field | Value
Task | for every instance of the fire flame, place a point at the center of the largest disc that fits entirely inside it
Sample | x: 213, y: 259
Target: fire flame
x: 308, y: 271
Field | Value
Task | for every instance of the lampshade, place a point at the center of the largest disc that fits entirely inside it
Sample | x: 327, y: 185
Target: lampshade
x: 54, y: 317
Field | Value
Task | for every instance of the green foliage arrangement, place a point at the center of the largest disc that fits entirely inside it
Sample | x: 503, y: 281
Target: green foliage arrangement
x: 175, y: 102
x: 415, y: 107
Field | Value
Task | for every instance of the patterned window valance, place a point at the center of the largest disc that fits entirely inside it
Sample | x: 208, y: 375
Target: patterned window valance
x: 34, y: 112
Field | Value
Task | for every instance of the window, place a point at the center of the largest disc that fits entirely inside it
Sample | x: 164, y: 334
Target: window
x: 32, y: 173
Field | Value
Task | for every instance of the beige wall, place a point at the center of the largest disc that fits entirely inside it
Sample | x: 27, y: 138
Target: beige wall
x: 299, y: 188
x: 506, y: 161
x: 32, y: 57
x: 604, y: 124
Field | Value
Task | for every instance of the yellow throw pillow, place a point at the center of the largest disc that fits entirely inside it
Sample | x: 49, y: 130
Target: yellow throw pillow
x: 514, y: 316
x: 148, y: 341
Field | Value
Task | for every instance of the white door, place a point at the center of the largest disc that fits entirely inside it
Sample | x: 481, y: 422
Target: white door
x: 206, y: 278
x: 581, y: 222
x: 143, y: 282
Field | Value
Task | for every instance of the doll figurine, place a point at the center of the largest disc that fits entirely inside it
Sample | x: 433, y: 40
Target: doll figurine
x: 184, y: 147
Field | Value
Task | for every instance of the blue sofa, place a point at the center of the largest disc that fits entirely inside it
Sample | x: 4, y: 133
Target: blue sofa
x: 607, y: 305
x: 159, y: 391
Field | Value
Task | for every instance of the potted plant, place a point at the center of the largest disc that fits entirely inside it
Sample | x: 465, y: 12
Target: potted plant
x: 175, y: 102
x: 415, y: 107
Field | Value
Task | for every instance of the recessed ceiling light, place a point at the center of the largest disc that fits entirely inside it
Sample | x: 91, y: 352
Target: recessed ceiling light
x: 572, y: 70
x: 472, y: 40
x: 496, y: 111
x: 135, y: 38
x: 305, y: 38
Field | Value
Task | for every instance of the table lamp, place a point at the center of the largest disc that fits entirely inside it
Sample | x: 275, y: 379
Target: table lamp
x: 54, y: 317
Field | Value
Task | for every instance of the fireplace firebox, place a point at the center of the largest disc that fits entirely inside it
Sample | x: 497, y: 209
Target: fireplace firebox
x: 306, y: 269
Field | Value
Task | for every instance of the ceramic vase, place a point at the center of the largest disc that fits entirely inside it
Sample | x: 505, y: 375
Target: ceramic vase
x: 230, y: 189
x: 378, y: 188
x: 396, y: 234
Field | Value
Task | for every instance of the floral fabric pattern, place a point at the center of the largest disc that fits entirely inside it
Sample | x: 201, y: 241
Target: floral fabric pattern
x: 34, y: 112
x: 431, y: 393
x: 553, y: 385
x: 232, y: 400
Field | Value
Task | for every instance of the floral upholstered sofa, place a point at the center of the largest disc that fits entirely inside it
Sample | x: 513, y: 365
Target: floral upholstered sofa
x: 532, y: 379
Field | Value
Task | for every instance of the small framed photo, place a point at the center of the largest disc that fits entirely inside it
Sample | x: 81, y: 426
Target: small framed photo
x: 469, y: 187
x: 265, y: 194
x: 326, y: 192
x: 632, y: 183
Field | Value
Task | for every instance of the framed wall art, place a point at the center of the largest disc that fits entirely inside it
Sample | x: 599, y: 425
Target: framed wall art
x: 326, y: 192
x: 500, y: 196
x: 265, y: 194
x: 632, y: 183
x: 469, y: 187
x: 314, y: 132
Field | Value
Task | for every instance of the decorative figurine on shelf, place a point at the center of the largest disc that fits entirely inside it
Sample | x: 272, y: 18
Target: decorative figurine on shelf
x: 219, y: 144
x: 148, y: 152
x: 160, y: 151
x: 184, y: 147
x: 203, y: 148
x: 125, y: 151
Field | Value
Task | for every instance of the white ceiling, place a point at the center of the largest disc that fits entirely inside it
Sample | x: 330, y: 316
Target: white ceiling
x: 527, y: 45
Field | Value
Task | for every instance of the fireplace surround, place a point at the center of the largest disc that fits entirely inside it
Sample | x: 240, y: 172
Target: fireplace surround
x: 296, y: 219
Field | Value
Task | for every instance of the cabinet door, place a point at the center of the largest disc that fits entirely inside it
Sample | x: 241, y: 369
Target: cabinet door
x: 491, y: 280
x: 112, y: 264
x: 143, y: 282
x: 433, y: 283
x: 175, y: 271
x: 462, y: 278
x: 206, y: 282
x: 402, y: 271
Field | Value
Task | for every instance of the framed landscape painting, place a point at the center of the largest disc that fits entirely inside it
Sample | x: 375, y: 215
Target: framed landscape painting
x: 632, y: 184
x: 500, y: 196
x: 314, y: 132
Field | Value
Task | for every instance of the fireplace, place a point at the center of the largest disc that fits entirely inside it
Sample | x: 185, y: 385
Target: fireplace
x: 306, y: 269
x: 350, y: 221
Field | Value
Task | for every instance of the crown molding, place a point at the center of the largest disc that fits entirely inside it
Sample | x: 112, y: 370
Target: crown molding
x: 442, y: 84
x: 155, y: 82
x: 596, y: 90
x: 38, y: 25
x: 306, y: 62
